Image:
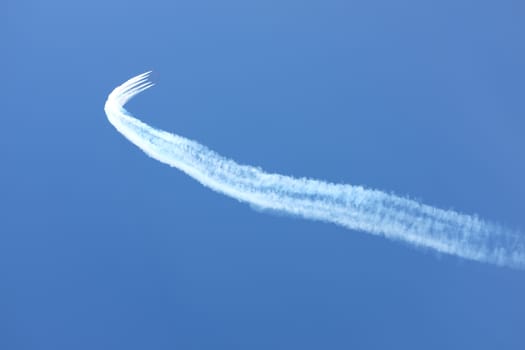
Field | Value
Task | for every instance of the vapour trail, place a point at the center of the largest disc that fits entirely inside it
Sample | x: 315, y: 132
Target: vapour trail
x: 353, y: 207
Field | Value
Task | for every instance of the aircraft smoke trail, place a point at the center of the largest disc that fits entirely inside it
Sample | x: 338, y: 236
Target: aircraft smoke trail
x: 353, y: 207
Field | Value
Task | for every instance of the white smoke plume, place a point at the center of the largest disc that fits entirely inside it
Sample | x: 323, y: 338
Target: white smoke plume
x: 353, y: 207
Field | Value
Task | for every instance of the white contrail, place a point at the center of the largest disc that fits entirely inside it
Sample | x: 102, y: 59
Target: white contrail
x: 353, y: 207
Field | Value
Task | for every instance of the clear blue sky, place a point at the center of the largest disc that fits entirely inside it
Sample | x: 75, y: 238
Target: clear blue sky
x: 102, y: 247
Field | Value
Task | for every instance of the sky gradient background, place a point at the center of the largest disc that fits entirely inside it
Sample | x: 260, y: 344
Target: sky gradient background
x: 102, y: 247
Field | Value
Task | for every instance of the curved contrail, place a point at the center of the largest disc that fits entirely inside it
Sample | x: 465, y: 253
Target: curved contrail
x: 353, y: 207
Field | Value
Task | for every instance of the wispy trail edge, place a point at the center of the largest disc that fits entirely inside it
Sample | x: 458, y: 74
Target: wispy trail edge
x: 353, y: 207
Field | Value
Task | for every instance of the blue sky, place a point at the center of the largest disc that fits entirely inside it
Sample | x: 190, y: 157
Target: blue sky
x: 102, y: 247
